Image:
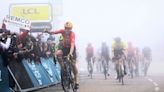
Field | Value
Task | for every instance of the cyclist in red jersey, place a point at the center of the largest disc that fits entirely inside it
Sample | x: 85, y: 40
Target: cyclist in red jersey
x: 69, y: 47
x: 89, y: 56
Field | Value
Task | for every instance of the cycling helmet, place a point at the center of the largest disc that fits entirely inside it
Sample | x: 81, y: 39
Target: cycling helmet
x: 68, y: 25
x: 130, y: 43
x: 117, y: 39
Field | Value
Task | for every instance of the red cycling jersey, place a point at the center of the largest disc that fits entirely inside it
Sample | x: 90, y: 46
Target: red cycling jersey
x: 21, y: 36
x: 69, y: 39
x: 89, y: 51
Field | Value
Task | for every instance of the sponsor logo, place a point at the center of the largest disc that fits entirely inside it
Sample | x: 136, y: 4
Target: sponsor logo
x: 33, y: 12
x: 17, y: 21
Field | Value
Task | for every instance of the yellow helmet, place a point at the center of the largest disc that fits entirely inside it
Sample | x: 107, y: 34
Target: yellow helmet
x: 68, y: 25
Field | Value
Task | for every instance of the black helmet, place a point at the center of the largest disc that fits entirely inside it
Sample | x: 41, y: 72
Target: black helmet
x: 103, y: 43
x: 117, y: 39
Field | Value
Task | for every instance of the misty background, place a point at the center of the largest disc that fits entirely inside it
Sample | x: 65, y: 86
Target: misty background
x: 138, y: 21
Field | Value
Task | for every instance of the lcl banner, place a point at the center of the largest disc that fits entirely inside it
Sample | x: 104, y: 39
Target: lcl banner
x: 33, y: 12
x: 40, y: 15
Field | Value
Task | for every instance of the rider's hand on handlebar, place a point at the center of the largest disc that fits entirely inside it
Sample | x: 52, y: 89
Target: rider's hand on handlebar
x: 70, y: 56
x: 46, y: 30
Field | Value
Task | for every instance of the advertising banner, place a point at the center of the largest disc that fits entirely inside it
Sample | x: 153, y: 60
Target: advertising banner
x: 33, y: 12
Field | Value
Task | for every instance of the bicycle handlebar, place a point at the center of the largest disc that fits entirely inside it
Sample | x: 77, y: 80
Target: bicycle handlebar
x: 69, y: 58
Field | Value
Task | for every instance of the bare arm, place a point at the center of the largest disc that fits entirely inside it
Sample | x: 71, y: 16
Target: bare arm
x: 6, y: 44
x: 72, y: 43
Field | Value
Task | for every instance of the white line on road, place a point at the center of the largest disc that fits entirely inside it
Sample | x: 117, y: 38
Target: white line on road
x: 150, y: 80
x: 154, y: 83
x: 156, y: 89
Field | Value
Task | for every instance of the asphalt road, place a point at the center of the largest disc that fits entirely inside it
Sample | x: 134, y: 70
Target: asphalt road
x: 154, y: 82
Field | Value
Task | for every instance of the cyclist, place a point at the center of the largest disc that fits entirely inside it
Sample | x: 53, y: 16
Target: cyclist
x: 147, y: 58
x: 60, y: 44
x: 105, y: 54
x: 137, y: 60
x: 69, y: 48
x: 59, y: 48
x: 118, y: 48
x: 147, y: 53
x: 89, y: 55
x: 98, y: 60
x: 130, y: 57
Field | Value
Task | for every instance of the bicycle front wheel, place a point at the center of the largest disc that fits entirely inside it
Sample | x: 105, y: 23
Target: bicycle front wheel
x: 65, y: 81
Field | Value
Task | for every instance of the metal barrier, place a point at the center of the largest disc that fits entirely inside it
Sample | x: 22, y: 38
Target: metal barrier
x: 31, y: 76
x: 4, y: 77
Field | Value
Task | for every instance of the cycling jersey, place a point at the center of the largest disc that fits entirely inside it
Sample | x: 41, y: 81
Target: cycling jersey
x: 105, y: 52
x: 118, y: 48
x: 89, y: 51
x: 68, y: 41
x: 68, y: 37
x: 22, y: 36
x: 146, y: 52
x: 130, y: 51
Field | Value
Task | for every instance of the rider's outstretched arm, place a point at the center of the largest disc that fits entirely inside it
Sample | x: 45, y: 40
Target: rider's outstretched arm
x: 56, y: 32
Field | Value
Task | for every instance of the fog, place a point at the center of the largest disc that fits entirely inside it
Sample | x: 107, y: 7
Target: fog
x: 138, y: 21
x: 133, y: 20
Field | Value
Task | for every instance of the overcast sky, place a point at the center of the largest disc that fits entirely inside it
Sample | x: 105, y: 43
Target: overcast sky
x: 139, y: 21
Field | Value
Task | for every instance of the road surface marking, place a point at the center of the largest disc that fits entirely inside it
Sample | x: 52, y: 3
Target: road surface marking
x: 150, y: 80
x: 156, y: 89
x: 155, y: 84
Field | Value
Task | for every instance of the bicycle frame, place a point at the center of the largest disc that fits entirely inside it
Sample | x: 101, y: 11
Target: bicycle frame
x: 146, y: 65
x: 90, y: 66
x: 131, y: 65
x: 66, y: 75
x: 105, y: 67
x: 120, y: 70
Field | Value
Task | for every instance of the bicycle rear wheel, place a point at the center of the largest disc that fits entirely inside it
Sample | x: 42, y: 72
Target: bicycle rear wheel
x: 131, y: 68
x: 105, y: 69
x: 121, y: 75
x: 145, y: 70
x: 90, y: 69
